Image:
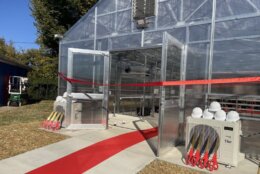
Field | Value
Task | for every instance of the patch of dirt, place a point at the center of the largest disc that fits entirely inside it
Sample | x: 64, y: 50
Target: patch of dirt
x: 19, y: 138
x: 163, y: 167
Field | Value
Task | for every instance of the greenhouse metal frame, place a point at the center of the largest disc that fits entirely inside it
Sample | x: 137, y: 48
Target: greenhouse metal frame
x: 220, y: 40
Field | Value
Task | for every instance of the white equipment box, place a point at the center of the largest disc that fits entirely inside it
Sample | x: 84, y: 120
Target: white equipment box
x: 229, y: 134
x: 86, y: 110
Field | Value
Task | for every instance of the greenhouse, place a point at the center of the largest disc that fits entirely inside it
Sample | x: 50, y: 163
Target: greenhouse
x: 120, y: 42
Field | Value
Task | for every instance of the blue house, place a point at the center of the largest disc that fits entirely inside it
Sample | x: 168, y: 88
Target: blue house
x: 9, y: 68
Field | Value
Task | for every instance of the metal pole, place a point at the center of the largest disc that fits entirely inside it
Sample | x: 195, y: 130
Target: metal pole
x: 212, y: 37
x: 162, y: 91
x: 183, y: 87
x: 94, y: 57
x: 69, y: 88
x: 59, y: 70
x: 116, y: 16
x: 143, y: 104
x: 182, y: 6
x: 142, y: 39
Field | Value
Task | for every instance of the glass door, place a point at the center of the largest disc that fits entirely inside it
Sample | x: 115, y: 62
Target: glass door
x: 87, y: 97
x: 170, y: 96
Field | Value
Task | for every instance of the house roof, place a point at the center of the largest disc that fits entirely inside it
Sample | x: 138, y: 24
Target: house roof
x: 13, y: 62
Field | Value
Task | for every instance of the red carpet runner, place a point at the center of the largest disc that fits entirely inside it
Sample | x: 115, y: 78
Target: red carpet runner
x: 84, y: 159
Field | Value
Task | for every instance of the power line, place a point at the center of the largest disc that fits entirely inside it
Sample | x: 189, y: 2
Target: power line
x: 21, y: 42
x: 24, y: 43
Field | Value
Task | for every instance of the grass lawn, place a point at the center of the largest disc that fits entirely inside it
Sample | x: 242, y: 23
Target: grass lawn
x: 19, y: 129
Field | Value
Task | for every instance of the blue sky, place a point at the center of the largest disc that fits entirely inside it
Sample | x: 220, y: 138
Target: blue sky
x: 16, y: 23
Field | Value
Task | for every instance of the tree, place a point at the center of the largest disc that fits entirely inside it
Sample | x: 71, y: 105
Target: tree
x: 43, y: 76
x: 56, y: 17
x: 7, y: 50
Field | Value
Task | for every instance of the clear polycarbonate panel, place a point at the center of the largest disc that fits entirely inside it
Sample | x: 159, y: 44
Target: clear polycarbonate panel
x: 152, y: 38
x: 236, y: 58
x: 105, y: 25
x: 169, y: 13
x: 200, y: 32
x: 124, y: 21
x: 135, y: 66
x: 111, y: 22
x: 169, y: 96
x: 238, y: 28
x: 89, y: 68
x: 106, y: 6
x: 83, y: 29
x: 126, y: 42
x: 124, y: 4
x: 227, y: 8
x: 196, y: 69
x: 63, y: 62
x: 190, y: 7
x: 202, y: 12
x: 178, y: 33
x: 103, y: 44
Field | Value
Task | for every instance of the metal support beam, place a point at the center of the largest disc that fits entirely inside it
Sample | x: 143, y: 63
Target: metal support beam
x: 226, y: 39
x: 59, y: 70
x: 212, y: 37
x: 182, y: 10
x: 142, y: 39
x: 184, y: 57
x: 95, y: 47
x: 156, y: 14
x: 116, y: 17
x: 113, y: 12
x: 69, y: 88
x: 95, y: 29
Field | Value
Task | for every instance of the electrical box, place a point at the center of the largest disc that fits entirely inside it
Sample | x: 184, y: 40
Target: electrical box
x: 229, y: 134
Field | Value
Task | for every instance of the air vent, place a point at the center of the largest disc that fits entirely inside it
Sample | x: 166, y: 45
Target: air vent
x: 150, y: 8
x: 143, y: 9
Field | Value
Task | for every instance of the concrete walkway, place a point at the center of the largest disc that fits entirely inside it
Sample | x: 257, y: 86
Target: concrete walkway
x: 130, y: 160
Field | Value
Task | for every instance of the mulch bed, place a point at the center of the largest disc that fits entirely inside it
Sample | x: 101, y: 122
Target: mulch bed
x: 163, y: 167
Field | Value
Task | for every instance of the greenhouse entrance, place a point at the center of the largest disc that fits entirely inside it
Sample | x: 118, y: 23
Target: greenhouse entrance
x: 106, y: 76
x: 160, y: 106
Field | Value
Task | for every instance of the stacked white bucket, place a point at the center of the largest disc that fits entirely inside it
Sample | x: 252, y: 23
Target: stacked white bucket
x: 215, y: 112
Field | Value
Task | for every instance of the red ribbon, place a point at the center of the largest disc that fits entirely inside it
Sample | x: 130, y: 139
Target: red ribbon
x: 168, y: 83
